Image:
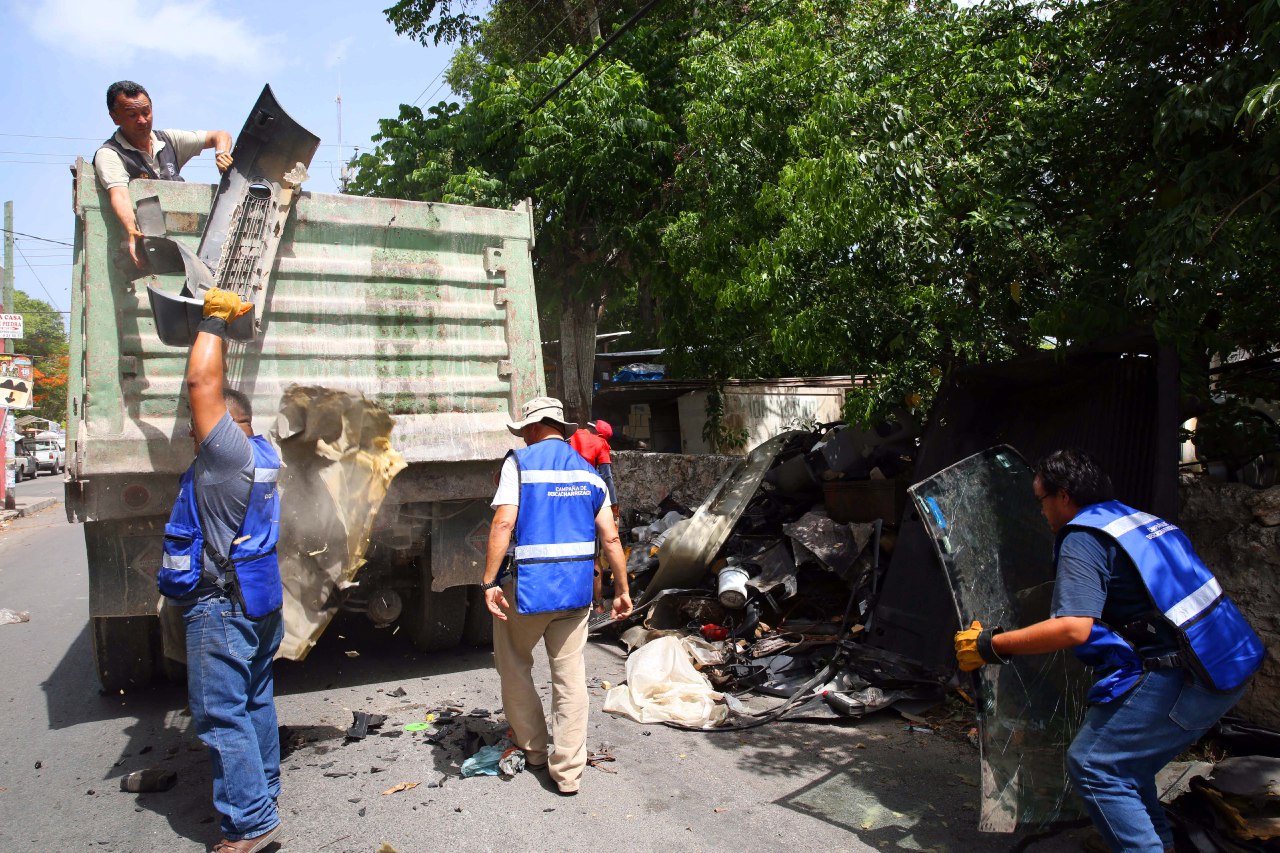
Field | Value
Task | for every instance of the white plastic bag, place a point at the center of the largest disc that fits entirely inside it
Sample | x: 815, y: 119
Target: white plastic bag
x: 13, y: 617
x: 663, y: 685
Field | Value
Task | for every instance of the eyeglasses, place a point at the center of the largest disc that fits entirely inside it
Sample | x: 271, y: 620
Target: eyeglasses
x: 1042, y: 498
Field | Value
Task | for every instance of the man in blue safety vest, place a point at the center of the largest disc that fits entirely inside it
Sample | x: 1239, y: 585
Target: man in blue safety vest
x: 1170, y: 651
x: 548, y: 511
x: 219, y: 567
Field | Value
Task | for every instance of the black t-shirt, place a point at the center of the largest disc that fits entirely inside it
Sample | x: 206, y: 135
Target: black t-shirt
x: 1096, y: 578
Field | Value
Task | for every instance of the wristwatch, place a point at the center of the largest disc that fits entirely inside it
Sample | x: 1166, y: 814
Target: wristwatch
x: 493, y: 584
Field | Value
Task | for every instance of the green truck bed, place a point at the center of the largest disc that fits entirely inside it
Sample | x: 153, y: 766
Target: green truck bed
x: 427, y: 309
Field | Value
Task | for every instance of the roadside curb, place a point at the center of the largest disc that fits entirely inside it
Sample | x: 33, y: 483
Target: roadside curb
x: 28, y: 508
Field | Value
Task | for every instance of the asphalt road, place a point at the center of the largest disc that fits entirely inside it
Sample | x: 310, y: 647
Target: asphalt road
x: 45, y: 485
x: 64, y: 747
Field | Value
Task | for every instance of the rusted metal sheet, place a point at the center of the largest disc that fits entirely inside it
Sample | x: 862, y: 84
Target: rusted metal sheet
x: 426, y: 308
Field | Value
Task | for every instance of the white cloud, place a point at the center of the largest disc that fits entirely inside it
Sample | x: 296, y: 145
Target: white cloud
x: 338, y: 51
x: 121, y: 30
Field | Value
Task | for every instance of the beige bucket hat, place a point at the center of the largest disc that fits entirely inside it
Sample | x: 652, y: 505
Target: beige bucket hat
x: 542, y: 408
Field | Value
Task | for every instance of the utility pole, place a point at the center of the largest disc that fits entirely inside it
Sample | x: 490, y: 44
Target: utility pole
x: 342, y: 173
x: 7, y: 297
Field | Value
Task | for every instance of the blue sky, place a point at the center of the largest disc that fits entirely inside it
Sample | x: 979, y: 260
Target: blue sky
x: 204, y: 64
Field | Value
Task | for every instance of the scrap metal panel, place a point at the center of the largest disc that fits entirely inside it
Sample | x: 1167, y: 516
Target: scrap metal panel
x: 426, y: 308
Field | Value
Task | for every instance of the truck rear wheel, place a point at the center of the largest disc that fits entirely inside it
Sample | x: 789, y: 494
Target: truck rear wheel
x: 435, y: 619
x: 124, y: 650
x: 478, y: 628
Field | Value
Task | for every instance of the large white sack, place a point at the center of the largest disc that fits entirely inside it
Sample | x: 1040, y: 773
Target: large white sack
x: 663, y: 685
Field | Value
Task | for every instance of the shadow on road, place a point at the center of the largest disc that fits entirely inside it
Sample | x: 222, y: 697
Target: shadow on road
x: 157, y: 727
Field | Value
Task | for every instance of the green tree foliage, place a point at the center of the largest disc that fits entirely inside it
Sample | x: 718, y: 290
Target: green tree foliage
x: 877, y: 186
x: 45, y: 340
x: 592, y: 160
x: 898, y: 188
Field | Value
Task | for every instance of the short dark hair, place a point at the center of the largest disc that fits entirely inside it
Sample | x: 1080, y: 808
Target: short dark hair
x: 1077, y: 473
x: 237, y: 404
x: 128, y: 88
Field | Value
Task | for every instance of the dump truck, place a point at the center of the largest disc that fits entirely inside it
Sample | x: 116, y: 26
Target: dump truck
x: 427, y: 310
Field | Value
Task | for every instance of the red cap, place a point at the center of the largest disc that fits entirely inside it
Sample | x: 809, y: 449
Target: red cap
x: 603, y: 429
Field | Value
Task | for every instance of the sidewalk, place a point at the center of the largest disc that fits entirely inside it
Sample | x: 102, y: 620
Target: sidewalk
x: 29, y: 506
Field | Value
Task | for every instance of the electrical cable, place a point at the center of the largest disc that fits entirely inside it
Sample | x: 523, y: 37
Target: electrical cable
x: 582, y: 66
x: 445, y: 67
x: 52, y: 301
x: 34, y: 237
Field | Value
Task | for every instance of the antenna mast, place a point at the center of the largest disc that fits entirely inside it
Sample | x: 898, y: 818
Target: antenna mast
x: 343, y: 177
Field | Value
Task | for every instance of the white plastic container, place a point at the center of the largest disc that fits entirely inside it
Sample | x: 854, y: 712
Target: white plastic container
x: 732, y: 586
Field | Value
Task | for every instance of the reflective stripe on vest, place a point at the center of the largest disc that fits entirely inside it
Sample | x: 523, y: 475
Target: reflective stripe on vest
x: 1216, y: 640
x: 555, y: 533
x: 253, y: 551
x: 558, y: 549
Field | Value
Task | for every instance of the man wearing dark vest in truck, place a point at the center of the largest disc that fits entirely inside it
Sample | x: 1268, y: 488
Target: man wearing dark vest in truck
x: 136, y: 151
x: 219, y: 568
x: 1170, y: 652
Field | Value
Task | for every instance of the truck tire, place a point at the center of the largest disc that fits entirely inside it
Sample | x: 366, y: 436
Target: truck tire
x: 435, y: 619
x: 17, y: 475
x: 478, y: 628
x: 124, y: 651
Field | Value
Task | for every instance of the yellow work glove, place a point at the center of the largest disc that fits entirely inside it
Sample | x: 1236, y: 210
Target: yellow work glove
x: 224, y: 304
x: 967, y: 648
x: 973, y: 647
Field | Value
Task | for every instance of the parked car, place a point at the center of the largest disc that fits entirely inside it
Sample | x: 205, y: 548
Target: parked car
x: 47, y: 454
x: 25, y: 466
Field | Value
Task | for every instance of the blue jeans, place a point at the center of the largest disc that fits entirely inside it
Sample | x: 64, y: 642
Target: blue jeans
x: 1114, y: 758
x: 229, y: 686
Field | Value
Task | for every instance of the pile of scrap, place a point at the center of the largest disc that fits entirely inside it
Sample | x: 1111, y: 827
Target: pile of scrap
x: 766, y: 587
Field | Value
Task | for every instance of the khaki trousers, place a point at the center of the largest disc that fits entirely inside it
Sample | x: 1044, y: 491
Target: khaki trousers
x: 564, y: 634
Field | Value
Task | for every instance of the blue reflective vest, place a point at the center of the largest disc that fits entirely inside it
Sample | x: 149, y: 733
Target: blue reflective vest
x: 1216, y: 642
x: 555, y: 535
x: 250, y: 574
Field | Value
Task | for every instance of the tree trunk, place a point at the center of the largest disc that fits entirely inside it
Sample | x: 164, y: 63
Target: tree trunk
x: 585, y: 19
x: 593, y: 20
x: 577, y: 357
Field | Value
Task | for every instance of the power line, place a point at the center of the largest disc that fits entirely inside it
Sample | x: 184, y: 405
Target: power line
x: 670, y: 63
x: 96, y: 139
x: 34, y: 237
x: 582, y: 66
x: 52, y: 301
x: 519, y: 61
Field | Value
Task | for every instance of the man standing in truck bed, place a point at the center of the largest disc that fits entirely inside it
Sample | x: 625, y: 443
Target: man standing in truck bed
x: 137, y: 151
x: 220, y: 567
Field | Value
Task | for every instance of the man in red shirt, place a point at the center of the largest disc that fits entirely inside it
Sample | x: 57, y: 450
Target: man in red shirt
x: 592, y: 445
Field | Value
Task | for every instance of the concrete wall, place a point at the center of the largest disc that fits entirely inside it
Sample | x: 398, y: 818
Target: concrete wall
x: 1236, y: 530
x: 763, y: 409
